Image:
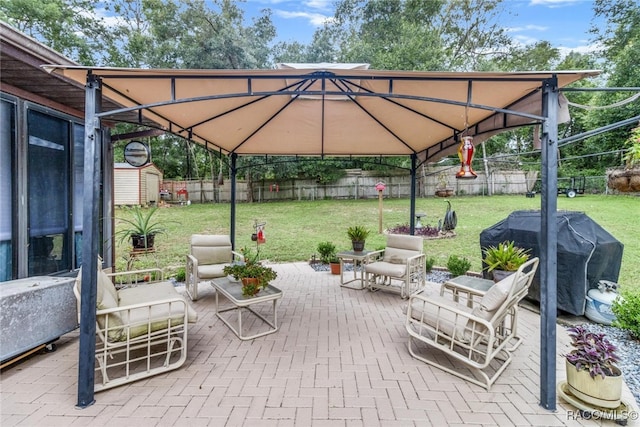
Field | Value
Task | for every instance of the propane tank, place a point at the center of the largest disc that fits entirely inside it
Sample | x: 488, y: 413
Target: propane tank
x: 599, y: 302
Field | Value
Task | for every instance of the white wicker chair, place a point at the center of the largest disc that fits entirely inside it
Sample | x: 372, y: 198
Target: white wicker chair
x: 479, y: 333
x: 210, y: 253
x: 399, y: 267
x: 141, y: 329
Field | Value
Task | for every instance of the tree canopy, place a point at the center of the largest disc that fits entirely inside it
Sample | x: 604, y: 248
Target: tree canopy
x: 435, y: 35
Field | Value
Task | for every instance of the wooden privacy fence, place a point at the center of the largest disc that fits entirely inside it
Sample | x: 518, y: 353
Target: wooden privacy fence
x: 363, y: 187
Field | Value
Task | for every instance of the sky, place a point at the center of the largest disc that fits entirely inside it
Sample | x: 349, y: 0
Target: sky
x: 564, y: 23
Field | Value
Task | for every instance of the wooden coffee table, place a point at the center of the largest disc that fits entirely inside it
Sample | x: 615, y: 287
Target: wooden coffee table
x: 233, y: 292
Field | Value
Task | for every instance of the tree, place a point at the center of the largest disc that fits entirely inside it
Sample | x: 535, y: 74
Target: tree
x: 620, y: 41
x: 419, y: 35
x: 70, y: 27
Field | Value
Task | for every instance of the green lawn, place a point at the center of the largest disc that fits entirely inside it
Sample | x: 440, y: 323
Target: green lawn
x: 294, y: 229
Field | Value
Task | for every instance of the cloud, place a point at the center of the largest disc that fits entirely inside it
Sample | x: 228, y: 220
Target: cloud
x: 553, y: 3
x: 529, y: 27
x: 319, y: 4
x: 315, y: 19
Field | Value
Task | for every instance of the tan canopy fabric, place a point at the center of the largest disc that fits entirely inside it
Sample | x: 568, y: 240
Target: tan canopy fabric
x: 323, y: 109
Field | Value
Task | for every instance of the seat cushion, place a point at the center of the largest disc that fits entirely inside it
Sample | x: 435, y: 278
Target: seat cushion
x: 141, y: 321
x: 445, y: 321
x: 384, y: 268
x: 106, y: 298
x: 211, y: 249
x: 497, y: 293
x: 210, y: 271
x: 403, y: 241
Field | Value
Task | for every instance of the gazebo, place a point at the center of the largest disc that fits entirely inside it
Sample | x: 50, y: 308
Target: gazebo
x: 325, y: 110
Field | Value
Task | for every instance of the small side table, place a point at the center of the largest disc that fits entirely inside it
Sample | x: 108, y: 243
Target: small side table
x: 359, y: 260
x: 233, y: 292
x: 467, y: 285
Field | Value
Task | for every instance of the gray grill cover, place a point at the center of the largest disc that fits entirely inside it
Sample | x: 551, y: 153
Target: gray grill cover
x: 587, y: 253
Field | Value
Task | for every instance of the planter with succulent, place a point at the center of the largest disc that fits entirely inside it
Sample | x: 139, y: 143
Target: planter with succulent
x: 627, y: 179
x: 442, y: 189
x: 504, y: 259
x: 592, y: 375
x: 327, y: 251
x: 141, y: 228
x: 253, y: 274
x: 358, y: 235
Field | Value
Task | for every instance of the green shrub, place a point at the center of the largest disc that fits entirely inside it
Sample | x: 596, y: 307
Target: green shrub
x: 458, y: 266
x: 428, y: 265
x: 180, y: 275
x: 627, y: 311
x: 327, y: 251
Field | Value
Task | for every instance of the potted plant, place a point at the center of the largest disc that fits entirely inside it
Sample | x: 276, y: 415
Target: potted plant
x: 442, y: 189
x: 358, y: 234
x: 141, y: 228
x: 592, y: 375
x: 627, y: 179
x: 334, y: 264
x: 253, y: 274
x: 327, y: 251
x: 504, y: 259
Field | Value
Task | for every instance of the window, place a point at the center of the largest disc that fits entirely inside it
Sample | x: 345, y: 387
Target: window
x: 7, y: 141
x: 48, y: 186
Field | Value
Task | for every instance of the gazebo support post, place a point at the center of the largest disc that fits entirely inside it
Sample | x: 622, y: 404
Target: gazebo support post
x: 549, y: 249
x: 232, y: 227
x: 412, y: 209
x: 90, y: 241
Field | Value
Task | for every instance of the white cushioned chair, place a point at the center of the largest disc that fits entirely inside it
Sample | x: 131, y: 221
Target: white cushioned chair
x: 141, y: 329
x: 209, y: 254
x: 399, y: 267
x: 479, y: 331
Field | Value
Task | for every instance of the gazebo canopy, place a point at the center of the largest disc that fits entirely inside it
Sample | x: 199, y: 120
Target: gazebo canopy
x: 324, y: 109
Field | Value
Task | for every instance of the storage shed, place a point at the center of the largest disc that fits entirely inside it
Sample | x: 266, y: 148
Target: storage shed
x: 136, y: 185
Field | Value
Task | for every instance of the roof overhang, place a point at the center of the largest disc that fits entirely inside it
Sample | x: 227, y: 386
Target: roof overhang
x: 323, y: 110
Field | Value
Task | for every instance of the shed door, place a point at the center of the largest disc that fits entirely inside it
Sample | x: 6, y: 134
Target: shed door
x: 153, y: 188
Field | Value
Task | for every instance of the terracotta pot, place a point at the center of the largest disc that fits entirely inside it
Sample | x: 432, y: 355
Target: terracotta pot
x: 335, y: 267
x: 604, y: 392
x: 250, y: 286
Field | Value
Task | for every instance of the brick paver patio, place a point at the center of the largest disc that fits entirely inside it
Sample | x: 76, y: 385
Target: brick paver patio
x: 339, y: 359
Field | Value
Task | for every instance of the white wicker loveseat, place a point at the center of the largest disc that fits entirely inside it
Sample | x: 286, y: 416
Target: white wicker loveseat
x: 141, y: 329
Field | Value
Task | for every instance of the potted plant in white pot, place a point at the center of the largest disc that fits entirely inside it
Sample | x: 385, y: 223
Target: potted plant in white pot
x: 592, y: 374
x: 504, y: 259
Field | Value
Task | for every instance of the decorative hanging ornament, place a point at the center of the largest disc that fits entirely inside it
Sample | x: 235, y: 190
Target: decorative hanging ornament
x: 465, y: 153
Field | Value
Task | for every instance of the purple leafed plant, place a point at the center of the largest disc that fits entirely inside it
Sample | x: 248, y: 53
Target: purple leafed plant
x: 592, y: 352
x: 426, y: 230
